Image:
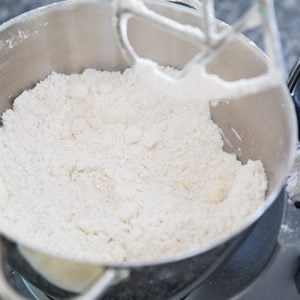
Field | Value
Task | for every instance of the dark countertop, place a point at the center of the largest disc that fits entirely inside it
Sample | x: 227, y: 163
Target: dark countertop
x: 288, y: 12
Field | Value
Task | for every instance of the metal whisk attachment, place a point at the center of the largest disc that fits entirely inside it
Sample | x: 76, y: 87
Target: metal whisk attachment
x: 210, y: 38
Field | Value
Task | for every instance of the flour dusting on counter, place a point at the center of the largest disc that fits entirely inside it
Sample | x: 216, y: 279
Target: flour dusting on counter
x: 293, y: 181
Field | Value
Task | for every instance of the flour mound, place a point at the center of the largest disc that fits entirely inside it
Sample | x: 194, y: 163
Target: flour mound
x: 99, y: 167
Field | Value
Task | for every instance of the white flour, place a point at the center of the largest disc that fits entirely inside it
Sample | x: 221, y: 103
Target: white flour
x: 100, y: 167
x: 293, y: 181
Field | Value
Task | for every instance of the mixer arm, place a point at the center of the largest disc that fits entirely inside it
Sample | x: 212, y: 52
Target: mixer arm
x: 209, y: 38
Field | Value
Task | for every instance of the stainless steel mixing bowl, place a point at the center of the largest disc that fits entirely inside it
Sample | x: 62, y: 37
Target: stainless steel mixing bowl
x: 71, y: 36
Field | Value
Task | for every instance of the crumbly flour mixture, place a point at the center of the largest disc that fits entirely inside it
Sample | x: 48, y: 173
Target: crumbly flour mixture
x: 100, y: 167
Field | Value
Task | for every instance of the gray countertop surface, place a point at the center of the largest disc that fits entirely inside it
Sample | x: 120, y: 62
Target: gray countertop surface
x: 288, y: 13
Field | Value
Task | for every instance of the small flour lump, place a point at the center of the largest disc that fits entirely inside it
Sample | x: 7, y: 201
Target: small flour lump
x: 99, y: 167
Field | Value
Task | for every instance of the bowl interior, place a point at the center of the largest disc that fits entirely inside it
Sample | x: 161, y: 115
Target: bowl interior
x: 71, y: 37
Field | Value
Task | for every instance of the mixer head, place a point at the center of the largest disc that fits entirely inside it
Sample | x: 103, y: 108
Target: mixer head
x: 210, y: 38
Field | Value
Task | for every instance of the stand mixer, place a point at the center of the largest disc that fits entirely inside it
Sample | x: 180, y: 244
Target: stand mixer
x: 210, y: 38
